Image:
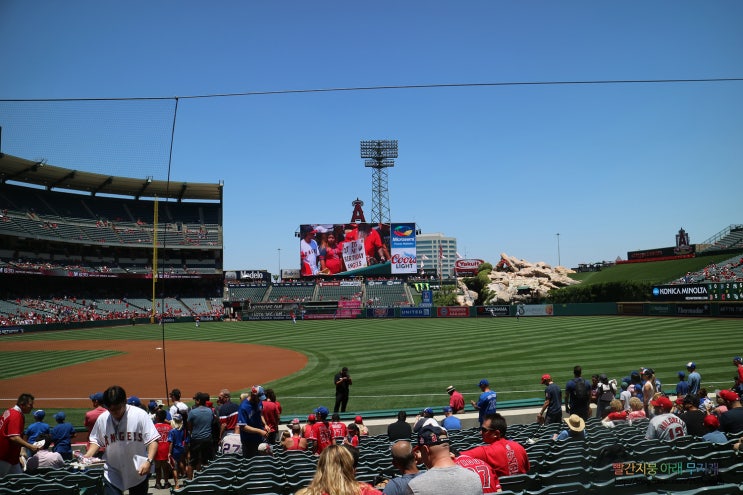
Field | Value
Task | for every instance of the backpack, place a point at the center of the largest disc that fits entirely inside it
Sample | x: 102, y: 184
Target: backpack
x: 580, y: 392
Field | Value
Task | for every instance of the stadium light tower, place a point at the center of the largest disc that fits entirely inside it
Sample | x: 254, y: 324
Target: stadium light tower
x: 379, y: 156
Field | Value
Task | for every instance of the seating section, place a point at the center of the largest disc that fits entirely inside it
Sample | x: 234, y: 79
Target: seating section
x: 382, y: 295
x: 251, y: 293
x: 290, y: 293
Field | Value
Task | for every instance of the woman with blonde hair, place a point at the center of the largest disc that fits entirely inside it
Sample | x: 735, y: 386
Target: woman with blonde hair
x: 336, y: 475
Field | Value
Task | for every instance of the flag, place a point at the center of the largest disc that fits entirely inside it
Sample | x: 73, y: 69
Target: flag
x: 459, y: 256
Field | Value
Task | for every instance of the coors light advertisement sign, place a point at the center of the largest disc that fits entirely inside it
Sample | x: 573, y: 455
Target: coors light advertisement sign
x: 464, y: 267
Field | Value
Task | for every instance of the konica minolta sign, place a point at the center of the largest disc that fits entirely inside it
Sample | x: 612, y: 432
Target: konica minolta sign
x: 687, y: 292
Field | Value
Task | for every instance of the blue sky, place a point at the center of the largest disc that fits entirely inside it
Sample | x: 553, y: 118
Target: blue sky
x: 612, y: 168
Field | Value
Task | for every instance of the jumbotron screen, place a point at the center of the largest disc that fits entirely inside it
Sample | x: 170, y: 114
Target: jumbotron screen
x: 328, y: 249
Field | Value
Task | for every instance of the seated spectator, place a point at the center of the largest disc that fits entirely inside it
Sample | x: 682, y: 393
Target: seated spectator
x: 638, y: 410
x: 693, y: 416
x: 295, y: 441
x: 664, y: 425
x: 625, y: 395
x: 506, y: 457
x: 335, y: 475
x: 363, y: 430
x: 337, y: 428
x: 732, y: 420
x: 44, y: 458
x: 400, y: 429
x: 450, y: 422
x: 712, y: 425
x: 617, y: 413
x: 425, y: 418
x: 404, y: 461
x: 576, y: 429
x: 352, y: 437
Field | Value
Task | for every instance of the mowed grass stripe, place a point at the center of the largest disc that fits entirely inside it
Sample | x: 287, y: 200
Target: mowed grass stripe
x: 19, y: 363
x: 410, y: 362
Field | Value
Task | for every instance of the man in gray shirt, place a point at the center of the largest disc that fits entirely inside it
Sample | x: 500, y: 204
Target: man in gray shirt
x: 444, y: 476
x: 200, y: 421
x: 404, y: 460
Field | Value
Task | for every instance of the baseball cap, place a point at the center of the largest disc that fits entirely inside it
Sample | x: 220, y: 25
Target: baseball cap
x: 158, y: 403
x: 662, y: 402
x: 681, y: 374
x: 311, y: 417
x: 264, y: 447
x: 295, y: 421
x: 258, y: 390
x: 447, y: 409
x: 432, y: 435
x: 691, y: 365
x: 152, y: 405
x: 727, y: 395
x: 358, y: 419
x: 428, y: 411
x: 322, y: 411
x: 98, y: 396
x: 39, y: 414
x: 177, y: 417
x: 737, y: 359
x: 134, y: 401
x: 450, y: 389
x: 546, y: 377
x: 679, y: 400
x: 711, y: 421
x: 483, y: 383
x: 60, y: 416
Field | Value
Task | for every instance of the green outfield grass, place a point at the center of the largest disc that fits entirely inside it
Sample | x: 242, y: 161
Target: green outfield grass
x: 409, y: 363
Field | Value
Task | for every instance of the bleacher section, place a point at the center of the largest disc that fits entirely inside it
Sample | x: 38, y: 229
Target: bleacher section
x: 730, y: 270
x: 290, y: 293
x: 729, y: 238
x: 383, y: 294
x: 337, y: 292
x: 639, y: 466
x: 251, y: 293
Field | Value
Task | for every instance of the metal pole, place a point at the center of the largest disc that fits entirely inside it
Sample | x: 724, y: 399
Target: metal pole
x: 279, y: 263
x: 559, y: 262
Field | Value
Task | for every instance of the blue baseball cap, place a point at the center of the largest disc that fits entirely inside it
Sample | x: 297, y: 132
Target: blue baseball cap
x: 691, y: 365
x: 483, y: 383
x: 447, y: 409
x: 428, y: 411
x: 134, y: 401
x: 322, y: 411
x: 39, y: 414
x: 98, y: 396
x: 60, y: 416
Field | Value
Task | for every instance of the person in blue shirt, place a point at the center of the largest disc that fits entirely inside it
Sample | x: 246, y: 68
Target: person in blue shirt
x: 62, y: 435
x: 576, y: 429
x: 450, y: 422
x: 486, y: 404
x: 695, y: 379
x: 38, y: 427
x: 682, y: 387
x: 714, y: 435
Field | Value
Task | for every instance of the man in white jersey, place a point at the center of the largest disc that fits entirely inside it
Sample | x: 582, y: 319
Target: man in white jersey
x: 308, y: 252
x: 130, y: 439
x: 664, y: 425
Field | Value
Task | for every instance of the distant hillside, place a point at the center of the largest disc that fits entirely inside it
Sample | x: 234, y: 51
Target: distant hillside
x: 654, y: 272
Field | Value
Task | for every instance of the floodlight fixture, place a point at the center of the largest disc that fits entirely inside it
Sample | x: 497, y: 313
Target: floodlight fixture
x: 384, y: 163
x: 379, y: 149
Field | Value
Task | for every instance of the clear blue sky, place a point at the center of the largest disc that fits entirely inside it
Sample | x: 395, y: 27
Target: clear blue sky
x: 611, y: 168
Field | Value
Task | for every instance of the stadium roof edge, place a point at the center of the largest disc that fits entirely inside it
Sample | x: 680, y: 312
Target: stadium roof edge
x: 51, y: 177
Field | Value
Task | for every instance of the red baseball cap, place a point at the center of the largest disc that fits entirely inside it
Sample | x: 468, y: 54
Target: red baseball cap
x: 711, y: 421
x: 662, y: 402
x: 728, y: 395
x: 546, y: 377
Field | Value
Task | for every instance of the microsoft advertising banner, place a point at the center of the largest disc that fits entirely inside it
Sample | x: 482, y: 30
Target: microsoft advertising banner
x: 402, y: 245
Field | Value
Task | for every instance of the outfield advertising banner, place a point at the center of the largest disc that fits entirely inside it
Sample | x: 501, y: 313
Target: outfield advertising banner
x: 731, y: 310
x: 693, y: 310
x: 498, y: 310
x: 402, y: 244
x: 453, y: 312
x: 380, y: 312
x: 535, y: 310
x: 464, y: 267
x: 415, y: 312
x: 687, y: 292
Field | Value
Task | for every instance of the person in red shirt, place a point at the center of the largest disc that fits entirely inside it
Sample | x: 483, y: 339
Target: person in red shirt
x: 456, y: 400
x: 506, y: 457
x: 353, y: 436
x: 272, y: 415
x: 12, y: 425
x: 321, y: 430
x: 162, y: 467
x: 337, y: 428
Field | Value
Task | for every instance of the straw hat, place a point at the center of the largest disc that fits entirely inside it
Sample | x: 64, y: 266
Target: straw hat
x: 576, y: 423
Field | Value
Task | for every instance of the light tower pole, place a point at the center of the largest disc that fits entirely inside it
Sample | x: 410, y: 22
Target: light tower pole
x: 379, y: 155
x: 559, y: 262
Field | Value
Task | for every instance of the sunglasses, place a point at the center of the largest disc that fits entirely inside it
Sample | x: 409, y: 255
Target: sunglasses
x: 483, y: 429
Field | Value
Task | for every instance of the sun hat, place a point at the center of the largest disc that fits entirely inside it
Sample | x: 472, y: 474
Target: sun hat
x: 575, y: 423
x: 450, y: 389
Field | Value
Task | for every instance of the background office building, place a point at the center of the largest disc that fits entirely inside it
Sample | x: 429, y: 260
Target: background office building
x: 436, y: 254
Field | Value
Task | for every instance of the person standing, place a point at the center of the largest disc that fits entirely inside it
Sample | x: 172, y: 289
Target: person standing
x: 308, y: 252
x: 456, y: 400
x: 11, y: 435
x: 343, y: 383
x: 162, y: 468
x: 578, y: 395
x: 178, y: 406
x: 271, y: 415
x: 62, y: 435
x: 200, y: 421
x: 227, y: 413
x: 694, y: 379
x: 552, y: 408
x: 487, y: 402
x: 128, y: 433
x: 250, y: 422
